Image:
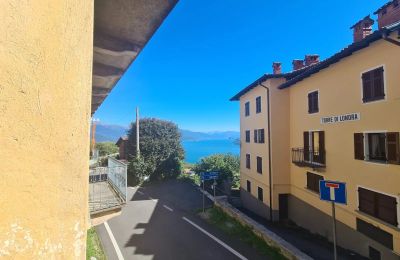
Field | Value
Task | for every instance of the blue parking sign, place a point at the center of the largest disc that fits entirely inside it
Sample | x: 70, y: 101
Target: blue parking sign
x: 333, y: 191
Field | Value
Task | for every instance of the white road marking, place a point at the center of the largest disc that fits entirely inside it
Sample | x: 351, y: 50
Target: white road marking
x: 165, y: 206
x: 230, y: 249
x: 141, y: 193
x: 114, y: 242
x: 152, y: 199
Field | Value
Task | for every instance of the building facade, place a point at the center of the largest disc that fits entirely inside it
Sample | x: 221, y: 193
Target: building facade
x: 343, y: 125
x: 59, y: 60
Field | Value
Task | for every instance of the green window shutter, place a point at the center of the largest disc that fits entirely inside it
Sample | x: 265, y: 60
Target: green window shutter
x: 359, y: 146
x: 306, y: 139
x: 393, y: 150
x: 321, y: 147
x: 367, y: 86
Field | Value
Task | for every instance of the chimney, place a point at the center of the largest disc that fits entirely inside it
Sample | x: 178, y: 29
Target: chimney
x: 362, y: 28
x: 311, y: 59
x: 277, y: 67
x: 388, y: 14
x: 297, y: 64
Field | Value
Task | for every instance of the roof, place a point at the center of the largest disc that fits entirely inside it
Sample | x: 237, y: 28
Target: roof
x: 122, y: 29
x: 384, y: 6
x: 349, y: 50
x: 295, y: 76
x: 122, y: 138
x: 366, y: 18
x: 264, y: 77
x: 255, y: 84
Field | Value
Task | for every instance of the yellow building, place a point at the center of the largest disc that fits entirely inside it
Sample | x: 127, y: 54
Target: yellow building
x: 59, y: 60
x: 338, y: 120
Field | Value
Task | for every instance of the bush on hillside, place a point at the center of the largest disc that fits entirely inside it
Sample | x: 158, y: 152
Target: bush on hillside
x: 161, y: 152
x: 106, y: 148
x: 227, y: 165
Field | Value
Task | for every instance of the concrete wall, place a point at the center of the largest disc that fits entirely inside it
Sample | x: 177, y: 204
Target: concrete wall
x: 340, y: 92
x: 306, y: 215
x: 46, y: 51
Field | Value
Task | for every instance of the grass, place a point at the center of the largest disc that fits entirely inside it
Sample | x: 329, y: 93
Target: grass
x: 93, y: 247
x: 191, y: 178
x: 232, y: 227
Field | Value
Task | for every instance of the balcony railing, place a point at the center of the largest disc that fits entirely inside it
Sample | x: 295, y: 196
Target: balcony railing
x: 308, y: 158
x: 107, y: 186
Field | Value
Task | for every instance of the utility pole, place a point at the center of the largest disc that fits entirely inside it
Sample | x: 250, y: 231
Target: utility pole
x: 93, y: 141
x: 137, y: 133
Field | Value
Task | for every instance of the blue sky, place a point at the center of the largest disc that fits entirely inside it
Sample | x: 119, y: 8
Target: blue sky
x: 206, y: 51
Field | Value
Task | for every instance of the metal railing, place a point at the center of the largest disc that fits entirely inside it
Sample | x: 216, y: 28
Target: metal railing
x: 310, y: 158
x: 117, y: 176
x: 107, y: 186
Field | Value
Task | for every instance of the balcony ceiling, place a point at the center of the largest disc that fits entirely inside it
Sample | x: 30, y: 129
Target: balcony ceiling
x: 121, y: 30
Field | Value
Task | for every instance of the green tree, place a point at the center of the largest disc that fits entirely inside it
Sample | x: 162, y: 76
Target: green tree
x: 161, y: 152
x: 227, y: 165
x: 106, y: 148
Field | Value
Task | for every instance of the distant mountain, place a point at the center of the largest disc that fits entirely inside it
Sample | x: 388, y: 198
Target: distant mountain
x: 188, y: 135
x: 109, y: 133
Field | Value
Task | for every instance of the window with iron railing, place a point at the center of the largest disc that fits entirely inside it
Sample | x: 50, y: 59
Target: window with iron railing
x: 313, y: 151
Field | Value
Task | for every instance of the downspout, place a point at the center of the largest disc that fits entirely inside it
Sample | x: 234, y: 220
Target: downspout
x: 269, y: 151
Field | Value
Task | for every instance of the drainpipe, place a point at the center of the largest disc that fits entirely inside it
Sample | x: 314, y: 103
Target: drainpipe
x: 269, y: 151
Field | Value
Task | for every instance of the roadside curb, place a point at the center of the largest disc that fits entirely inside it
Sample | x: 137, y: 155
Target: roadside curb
x: 272, y: 239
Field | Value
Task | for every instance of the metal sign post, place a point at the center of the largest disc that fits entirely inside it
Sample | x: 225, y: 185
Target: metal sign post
x: 206, y: 176
x: 335, y: 192
x: 214, y: 184
x: 334, y: 231
x: 203, y: 197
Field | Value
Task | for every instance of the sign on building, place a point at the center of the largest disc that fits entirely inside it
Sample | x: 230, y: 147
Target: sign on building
x: 333, y: 191
x: 340, y: 118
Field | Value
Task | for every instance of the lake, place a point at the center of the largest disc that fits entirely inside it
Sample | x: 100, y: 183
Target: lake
x: 195, y: 150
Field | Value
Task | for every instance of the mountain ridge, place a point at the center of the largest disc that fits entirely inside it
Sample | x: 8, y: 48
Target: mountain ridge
x: 111, y: 133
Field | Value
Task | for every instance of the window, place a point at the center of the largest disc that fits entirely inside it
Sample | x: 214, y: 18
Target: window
x: 248, y: 161
x: 377, y: 147
x: 375, y: 233
x: 313, y: 102
x: 260, y: 194
x: 313, y: 181
x: 259, y: 164
x: 378, y: 205
x: 314, y: 146
x: 247, y: 136
x: 248, y: 186
x: 258, y: 105
x: 373, y: 85
x: 374, y: 254
x: 247, y: 109
x: 259, y: 136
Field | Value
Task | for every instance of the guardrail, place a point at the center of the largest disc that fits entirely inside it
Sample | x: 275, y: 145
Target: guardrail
x: 108, y: 186
x: 117, y: 176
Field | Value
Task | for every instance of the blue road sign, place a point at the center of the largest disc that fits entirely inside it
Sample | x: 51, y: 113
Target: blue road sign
x: 333, y: 191
x: 206, y: 176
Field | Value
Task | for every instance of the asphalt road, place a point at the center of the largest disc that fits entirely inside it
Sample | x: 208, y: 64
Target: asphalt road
x: 160, y: 222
